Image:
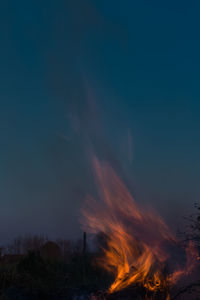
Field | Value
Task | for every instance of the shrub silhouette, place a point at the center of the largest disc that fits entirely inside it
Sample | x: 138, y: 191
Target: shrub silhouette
x: 33, y: 265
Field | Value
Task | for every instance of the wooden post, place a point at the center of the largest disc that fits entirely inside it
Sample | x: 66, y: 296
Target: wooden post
x: 84, y: 257
x: 84, y: 242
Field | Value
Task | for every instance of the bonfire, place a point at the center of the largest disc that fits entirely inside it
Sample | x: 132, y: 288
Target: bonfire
x: 139, y: 249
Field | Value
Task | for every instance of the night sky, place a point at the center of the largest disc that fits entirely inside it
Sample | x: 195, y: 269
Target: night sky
x: 122, y: 75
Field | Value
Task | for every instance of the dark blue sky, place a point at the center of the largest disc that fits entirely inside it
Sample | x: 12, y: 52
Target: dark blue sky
x: 125, y: 73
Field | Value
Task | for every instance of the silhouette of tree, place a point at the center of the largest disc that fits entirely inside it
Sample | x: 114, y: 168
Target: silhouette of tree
x: 23, y: 245
x: 192, y: 230
x: 66, y: 247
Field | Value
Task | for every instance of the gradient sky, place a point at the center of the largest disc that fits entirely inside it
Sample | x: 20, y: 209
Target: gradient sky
x: 125, y: 73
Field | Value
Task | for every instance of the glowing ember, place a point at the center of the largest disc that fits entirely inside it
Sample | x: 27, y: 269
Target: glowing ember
x: 137, y: 241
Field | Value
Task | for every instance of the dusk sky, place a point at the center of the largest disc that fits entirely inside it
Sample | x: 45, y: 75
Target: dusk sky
x: 122, y: 74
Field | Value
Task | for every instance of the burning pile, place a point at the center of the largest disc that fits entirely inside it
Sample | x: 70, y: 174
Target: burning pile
x: 138, y: 242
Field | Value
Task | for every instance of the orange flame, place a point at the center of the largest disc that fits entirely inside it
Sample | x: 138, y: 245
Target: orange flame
x: 135, y: 238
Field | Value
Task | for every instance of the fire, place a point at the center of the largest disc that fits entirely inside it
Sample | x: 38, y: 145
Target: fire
x: 136, y: 240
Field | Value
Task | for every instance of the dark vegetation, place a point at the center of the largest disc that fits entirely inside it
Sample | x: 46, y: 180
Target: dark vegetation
x: 28, y: 272
x: 192, y: 230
